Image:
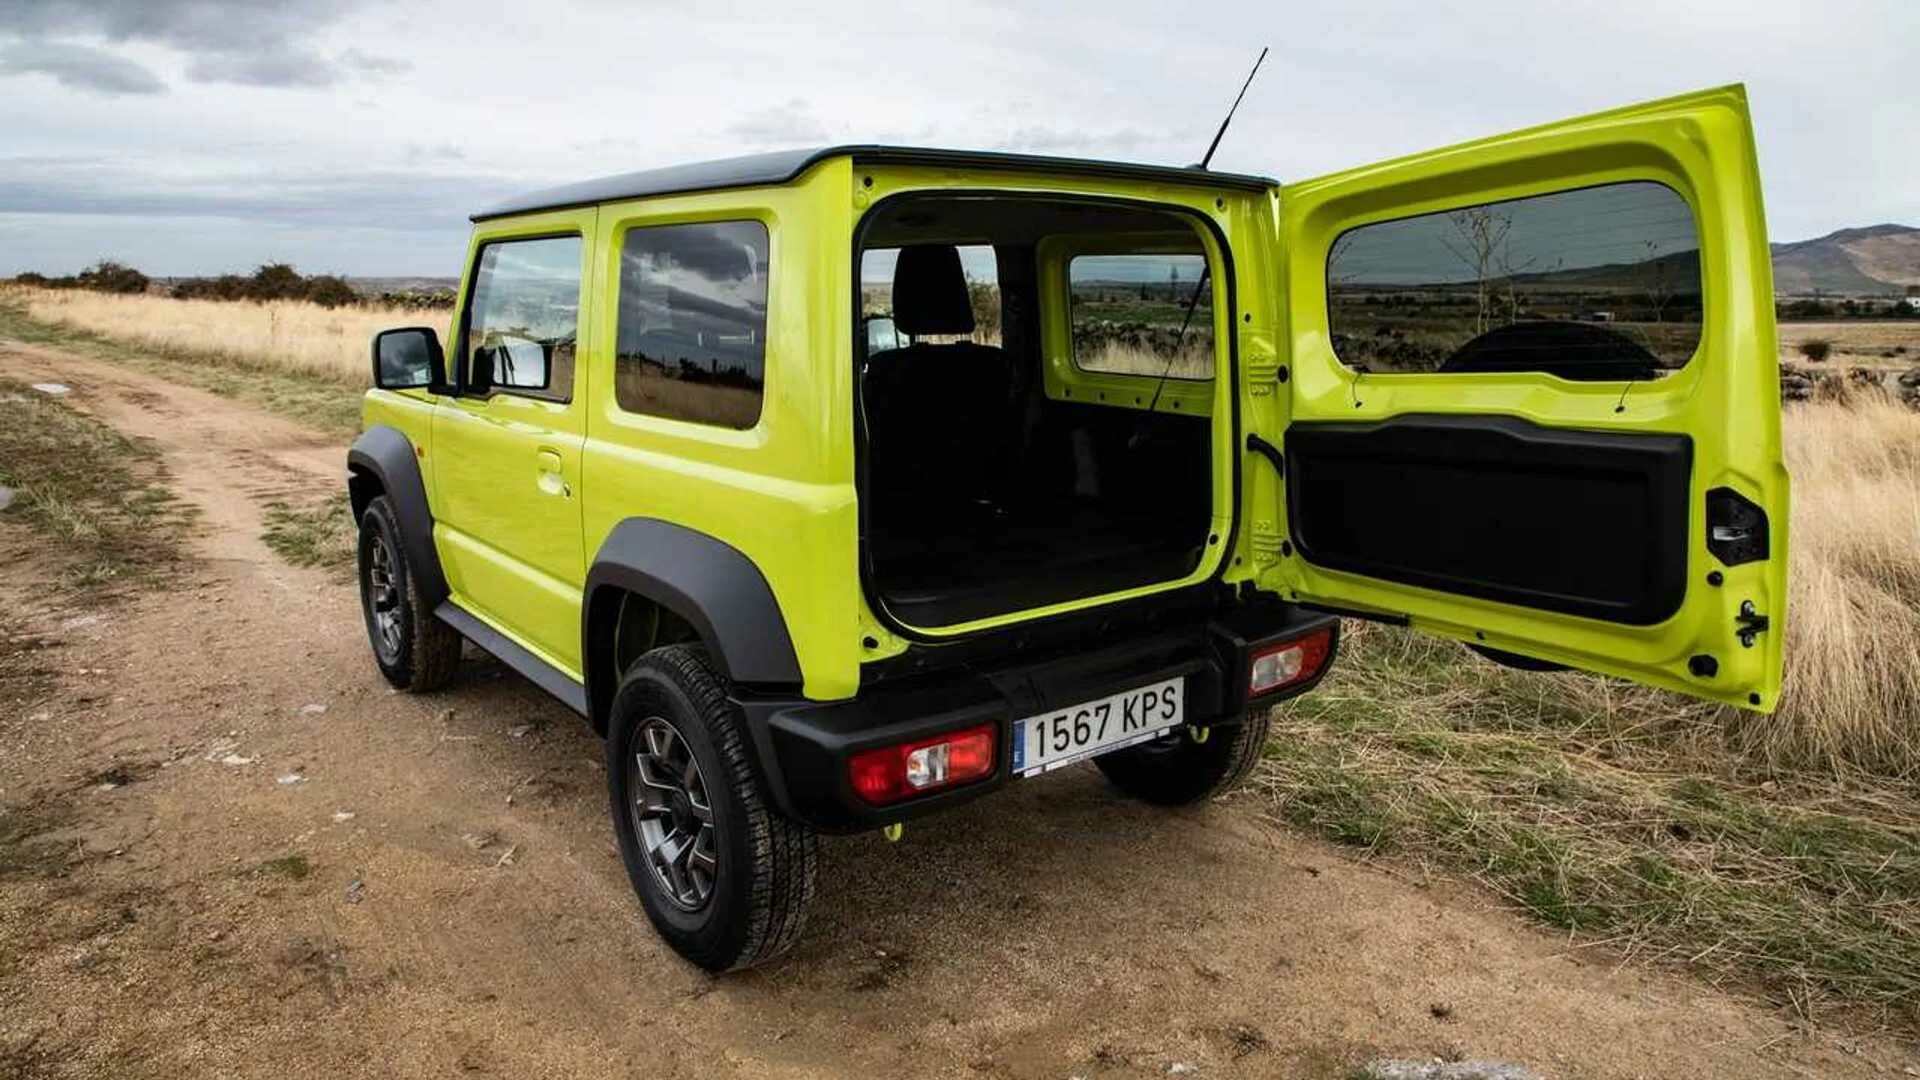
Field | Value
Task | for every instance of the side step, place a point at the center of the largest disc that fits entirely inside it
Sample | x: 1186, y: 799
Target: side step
x: 516, y: 656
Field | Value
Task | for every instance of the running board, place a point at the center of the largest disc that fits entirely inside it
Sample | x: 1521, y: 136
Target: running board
x: 515, y: 655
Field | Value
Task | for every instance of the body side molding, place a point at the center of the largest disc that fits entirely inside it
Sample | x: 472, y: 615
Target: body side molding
x: 704, y: 580
x: 387, y: 455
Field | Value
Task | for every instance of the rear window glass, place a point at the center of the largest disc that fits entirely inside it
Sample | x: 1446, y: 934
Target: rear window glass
x: 977, y: 261
x: 1597, y: 283
x: 691, y: 340
x: 1142, y: 314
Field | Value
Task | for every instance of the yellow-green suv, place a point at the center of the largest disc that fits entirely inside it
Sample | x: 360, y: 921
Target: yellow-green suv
x: 835, y: 488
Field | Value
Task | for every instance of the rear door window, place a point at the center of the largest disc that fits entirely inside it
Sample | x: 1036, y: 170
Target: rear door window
x: 1594, y: 283
x: 1142, y: 314
x: 691, y: 342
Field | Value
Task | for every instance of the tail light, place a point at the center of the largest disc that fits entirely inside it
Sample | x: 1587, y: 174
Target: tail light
x: 1285, y: 663
x: 923, y: 766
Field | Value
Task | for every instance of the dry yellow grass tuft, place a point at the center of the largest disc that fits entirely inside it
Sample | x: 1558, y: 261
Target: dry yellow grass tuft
x: 288, y: 335
x: 1853, y: 619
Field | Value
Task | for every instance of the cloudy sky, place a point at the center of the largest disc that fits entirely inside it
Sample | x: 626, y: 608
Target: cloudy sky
x: 198, y: 136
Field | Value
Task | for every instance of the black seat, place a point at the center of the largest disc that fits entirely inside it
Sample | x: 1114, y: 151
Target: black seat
x: 938, y: 415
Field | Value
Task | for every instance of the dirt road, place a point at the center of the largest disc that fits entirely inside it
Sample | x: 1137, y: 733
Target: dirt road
x: 231, y: 850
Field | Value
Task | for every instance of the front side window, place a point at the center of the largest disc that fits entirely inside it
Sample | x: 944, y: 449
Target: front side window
x: 691, y: 339
x: 523, y: 324
x: 1597, y: 283
x: 1140, y: 314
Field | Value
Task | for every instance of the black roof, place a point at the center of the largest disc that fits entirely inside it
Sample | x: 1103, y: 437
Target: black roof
x: 781, y: 166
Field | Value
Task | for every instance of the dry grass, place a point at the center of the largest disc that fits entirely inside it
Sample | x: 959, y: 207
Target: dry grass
x: 96, y: 495
x: 1852, y: 698
x: 1779, y: 851
x: 1889, y: 342
x: 325, y: 401
x: 1638, y: 829
x: 289, y: 335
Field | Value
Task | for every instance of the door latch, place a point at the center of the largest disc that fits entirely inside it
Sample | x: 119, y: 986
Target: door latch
x: 1749, y: 623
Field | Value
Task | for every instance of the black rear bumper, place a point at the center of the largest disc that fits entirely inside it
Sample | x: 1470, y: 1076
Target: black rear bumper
x: 803, y: 745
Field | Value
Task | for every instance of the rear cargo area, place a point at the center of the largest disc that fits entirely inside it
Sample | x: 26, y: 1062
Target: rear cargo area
x: 983, y: 492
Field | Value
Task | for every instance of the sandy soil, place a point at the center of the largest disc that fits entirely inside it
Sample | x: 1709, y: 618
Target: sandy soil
x: 226, y: 848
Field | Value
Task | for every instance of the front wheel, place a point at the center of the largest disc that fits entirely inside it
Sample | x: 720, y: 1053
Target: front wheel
x: 415, y: 651
x: 724, y: 878
x: 1174, y: 770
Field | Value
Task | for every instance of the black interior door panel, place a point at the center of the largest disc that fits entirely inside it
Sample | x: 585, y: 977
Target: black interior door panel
x: 1580, y: 522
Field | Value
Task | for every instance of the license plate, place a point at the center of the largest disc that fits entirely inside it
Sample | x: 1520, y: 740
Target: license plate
x: 1061, y: 737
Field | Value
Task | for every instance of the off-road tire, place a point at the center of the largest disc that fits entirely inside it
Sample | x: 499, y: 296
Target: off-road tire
x: 427, y: 652
x: 759, y: 893
x: 1175, y: 770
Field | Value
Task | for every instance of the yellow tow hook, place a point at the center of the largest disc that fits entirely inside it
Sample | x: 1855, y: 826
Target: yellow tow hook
x: 1198, y: 734
x: 893, y: 832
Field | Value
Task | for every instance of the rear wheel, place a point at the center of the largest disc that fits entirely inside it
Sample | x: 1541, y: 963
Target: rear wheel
x: 415, y: 651
x: 1175, y: 769
x: 723, y: 877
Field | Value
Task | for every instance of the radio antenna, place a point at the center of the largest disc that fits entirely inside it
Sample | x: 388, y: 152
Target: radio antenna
x: 1215, y: 144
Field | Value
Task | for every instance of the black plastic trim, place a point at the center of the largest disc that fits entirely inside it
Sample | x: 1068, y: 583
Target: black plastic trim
x: 702, y: 579
x: 516, y: 656
x: 387, y: 456
x: 784, y: 166
x: 804, y: 745
x: 861, y: 454
x: 1587, y: 523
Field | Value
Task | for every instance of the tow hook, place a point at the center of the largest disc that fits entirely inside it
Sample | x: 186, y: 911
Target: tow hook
x: 893, y: 832
x: 1749, y: 623
x: 1198, y: 734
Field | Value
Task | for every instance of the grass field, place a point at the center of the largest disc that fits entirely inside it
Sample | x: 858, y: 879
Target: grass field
x: 1891, y: 342
x: 1781, y: 852
x: 290, y: 335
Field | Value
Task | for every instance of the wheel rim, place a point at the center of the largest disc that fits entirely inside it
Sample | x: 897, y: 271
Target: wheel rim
x: 383, y: 598
x: 672, y: 815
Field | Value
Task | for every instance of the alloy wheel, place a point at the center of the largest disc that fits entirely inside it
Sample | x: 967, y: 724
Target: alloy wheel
x: 673, y: 815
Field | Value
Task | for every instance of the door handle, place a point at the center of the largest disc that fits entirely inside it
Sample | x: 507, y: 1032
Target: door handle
x: 551, y: 481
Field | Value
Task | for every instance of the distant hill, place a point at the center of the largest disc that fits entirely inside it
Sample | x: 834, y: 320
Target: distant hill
x: 1875, y: 259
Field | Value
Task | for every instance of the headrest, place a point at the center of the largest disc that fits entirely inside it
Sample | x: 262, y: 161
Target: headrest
x: 930, y: 291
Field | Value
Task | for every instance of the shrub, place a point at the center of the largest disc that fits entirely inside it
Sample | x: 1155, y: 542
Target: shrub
x: 330, y: 291
x: 112, y: 277
x: 1816, y: 349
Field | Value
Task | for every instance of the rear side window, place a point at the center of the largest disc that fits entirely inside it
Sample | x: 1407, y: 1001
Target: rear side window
x: 1142, y: 315
x: 691, y: 338
x: 1598, y: 283
x: 523, y: 323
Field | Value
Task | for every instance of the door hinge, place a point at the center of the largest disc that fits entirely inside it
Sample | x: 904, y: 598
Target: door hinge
x: 1749, y: 624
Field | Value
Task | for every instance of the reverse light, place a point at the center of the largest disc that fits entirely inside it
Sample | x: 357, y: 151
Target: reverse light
x: 892, y: 773
x: 1282, y: 664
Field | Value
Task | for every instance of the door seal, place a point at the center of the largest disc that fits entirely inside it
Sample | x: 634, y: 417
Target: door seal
x: 1267, y: 450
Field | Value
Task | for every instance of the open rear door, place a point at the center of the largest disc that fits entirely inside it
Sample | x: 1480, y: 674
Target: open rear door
x: 1533, y: 398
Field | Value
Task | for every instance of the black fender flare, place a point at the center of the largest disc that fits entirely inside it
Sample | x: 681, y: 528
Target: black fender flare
x: 703, y: 580
x: 386, y: 456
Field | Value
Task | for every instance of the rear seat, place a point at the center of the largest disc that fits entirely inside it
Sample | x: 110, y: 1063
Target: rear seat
x: 938, y: 416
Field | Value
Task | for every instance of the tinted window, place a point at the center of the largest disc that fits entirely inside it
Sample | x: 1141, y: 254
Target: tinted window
x: 1142, y: 315
x: 691, y: 341
x: 1599, y: 283
x: 524, y: 320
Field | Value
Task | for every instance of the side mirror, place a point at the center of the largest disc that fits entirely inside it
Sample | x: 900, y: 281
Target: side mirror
x: 409, y: 358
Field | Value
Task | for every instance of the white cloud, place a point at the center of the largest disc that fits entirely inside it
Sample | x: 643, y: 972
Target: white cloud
x: 485, y: 95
